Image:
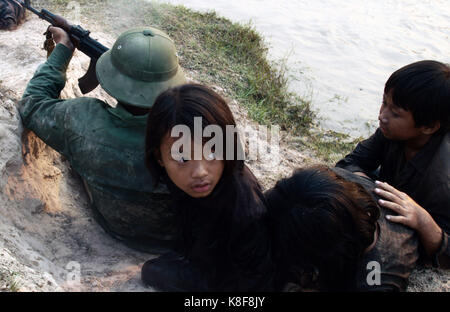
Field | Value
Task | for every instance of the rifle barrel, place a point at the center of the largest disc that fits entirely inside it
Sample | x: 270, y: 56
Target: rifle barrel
x: 30, y: 8
x: 33, y: 10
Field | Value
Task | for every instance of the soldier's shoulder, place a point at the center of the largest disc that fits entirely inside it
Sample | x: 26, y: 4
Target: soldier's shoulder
x: 84, y: 112
x: 87, y: 104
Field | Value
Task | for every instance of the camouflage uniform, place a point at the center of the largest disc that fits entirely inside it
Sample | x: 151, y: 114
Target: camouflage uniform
x: 105, y: 146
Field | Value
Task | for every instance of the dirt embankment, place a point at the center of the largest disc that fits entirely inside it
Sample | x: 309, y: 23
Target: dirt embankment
x: 48, y: 238
x: 47, y: 234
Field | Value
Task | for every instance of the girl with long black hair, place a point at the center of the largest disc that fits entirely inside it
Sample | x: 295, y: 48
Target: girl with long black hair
x: 225, y: 245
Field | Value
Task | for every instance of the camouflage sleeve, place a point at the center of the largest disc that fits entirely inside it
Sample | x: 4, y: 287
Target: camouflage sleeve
x: 41, y: 108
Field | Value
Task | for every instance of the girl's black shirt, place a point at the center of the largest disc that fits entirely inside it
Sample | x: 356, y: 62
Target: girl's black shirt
x: 226, y: 235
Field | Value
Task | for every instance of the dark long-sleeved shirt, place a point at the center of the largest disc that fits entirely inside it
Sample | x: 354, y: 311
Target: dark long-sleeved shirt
x: 425, y: 177
x: 105, y: 146
x: 226, y: 234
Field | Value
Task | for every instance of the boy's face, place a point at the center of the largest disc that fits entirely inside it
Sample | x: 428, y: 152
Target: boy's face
x: 197, y: 178
x: 397, y: 123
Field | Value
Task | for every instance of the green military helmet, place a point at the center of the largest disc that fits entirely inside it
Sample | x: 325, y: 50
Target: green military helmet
x: 142, y: 63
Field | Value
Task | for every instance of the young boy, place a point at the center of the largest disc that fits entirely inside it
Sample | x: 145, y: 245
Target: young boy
x: 411, y: 149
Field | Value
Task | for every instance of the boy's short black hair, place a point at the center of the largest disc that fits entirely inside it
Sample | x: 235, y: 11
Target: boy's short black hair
x: 424, y: 89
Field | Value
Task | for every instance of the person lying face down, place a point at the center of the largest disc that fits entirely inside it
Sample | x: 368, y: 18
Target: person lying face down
x: 12, y: 14
x: 326, y: 224
x: 225, y: 242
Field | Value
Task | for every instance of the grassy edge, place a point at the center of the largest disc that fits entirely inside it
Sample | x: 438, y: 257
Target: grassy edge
x: 232, y: 55
x: 8, y: 281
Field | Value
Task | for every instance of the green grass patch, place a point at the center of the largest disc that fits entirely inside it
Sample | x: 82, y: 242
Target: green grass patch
x: 220, y: 52
x: 8, y: 281
x: 331, y: 146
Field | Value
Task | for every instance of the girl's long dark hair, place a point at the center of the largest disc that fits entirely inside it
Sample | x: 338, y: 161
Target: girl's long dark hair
x: 179, y: 106
x: 322, y: 222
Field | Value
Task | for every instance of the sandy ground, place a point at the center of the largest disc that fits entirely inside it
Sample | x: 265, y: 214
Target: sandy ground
x: 47, y: 234
x: 48, y: 238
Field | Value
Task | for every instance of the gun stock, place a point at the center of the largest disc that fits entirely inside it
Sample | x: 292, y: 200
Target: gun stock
x: 89, y: 81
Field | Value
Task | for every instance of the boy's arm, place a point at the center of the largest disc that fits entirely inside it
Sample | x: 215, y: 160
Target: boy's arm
x: 439, y: 200
x: 367, y: 155
x: 433, y: 238
x: 442, y: 256
x: 40, y: 108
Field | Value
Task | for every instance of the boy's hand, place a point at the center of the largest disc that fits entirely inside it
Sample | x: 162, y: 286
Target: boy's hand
x: 409, y: 212
x: 412, y: 215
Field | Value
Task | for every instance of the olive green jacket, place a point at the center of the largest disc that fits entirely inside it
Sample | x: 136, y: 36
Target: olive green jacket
x: 105, y: 146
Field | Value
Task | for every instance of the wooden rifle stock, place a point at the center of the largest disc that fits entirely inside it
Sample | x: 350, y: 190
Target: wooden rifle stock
x: 82, y: 41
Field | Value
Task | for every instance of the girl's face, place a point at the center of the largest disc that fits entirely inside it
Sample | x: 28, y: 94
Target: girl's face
x: 197, y: 178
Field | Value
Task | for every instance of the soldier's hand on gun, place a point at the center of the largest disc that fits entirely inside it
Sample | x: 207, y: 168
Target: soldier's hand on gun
x: 60, y: 36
